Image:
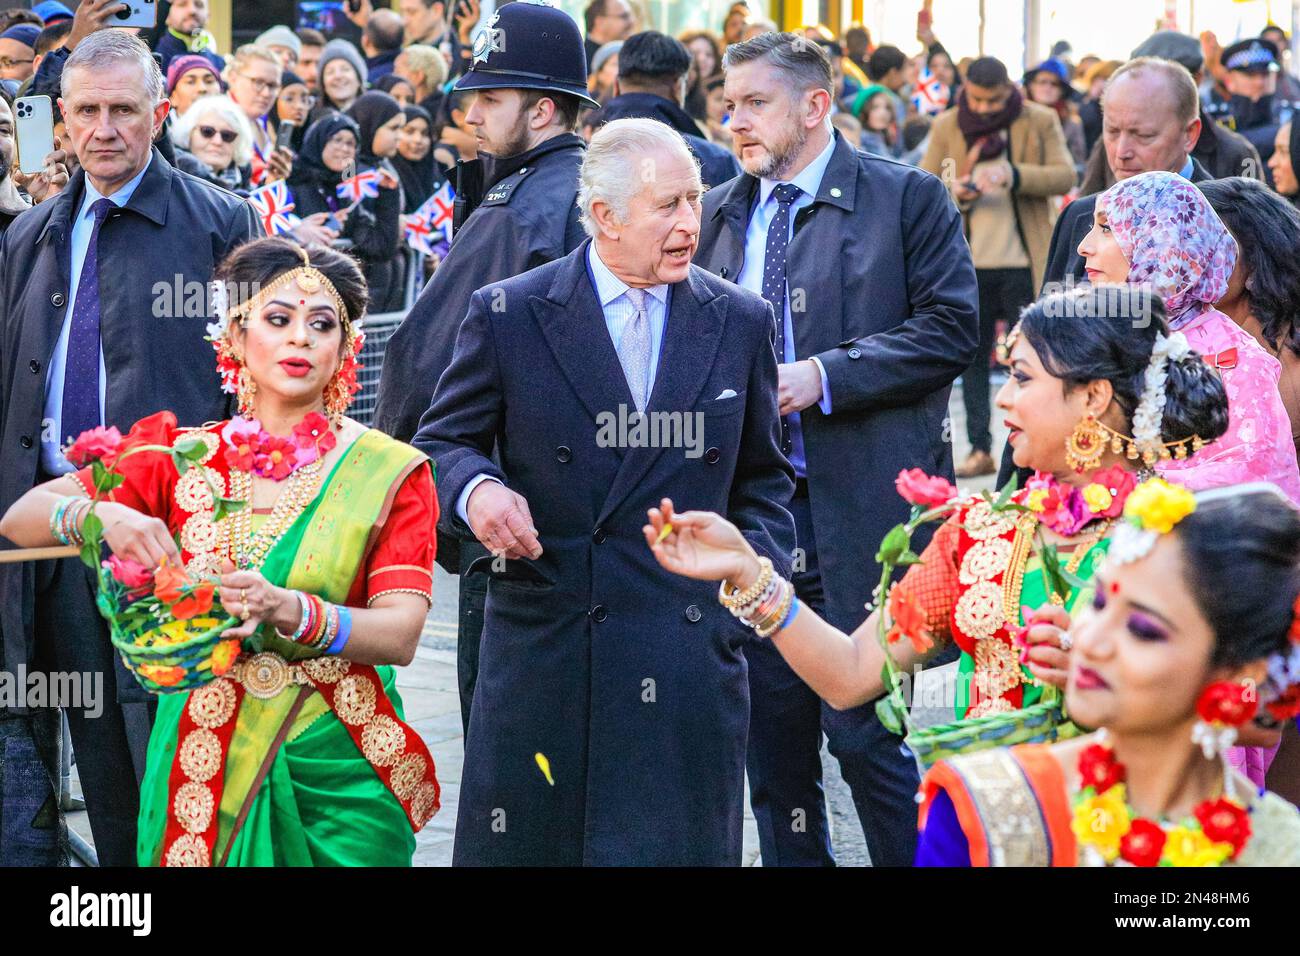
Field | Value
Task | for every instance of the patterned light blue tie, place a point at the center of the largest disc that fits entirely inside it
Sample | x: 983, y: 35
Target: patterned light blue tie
x: 81, y: 370
x: 634, y: 350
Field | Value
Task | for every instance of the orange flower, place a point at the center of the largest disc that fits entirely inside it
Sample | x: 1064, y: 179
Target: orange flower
x: 909, y: 620
x: 162, y: 675
x: 224, y: 656
x: 198, y: 601
x: 167, y: 583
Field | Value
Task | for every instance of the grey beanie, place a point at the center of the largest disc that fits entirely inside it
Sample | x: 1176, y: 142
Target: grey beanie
x: 603, y: 54
x: 280, y: 36
x: 341, y: 50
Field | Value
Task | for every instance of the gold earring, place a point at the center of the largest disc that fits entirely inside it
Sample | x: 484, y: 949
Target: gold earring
x: 247, y: 389
x: 1086, y: 445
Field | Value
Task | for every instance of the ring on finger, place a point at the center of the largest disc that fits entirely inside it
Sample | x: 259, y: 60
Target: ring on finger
x: 1066, y: 641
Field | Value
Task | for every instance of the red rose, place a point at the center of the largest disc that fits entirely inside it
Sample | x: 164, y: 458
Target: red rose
x: 1119, y: 483
x: 1286, y: 706
x: 918, y: 488
x: 1143, y: 843
x: 274, y: 457
x: 1225, y: 822
x: 198, y: 601
x: 94, y: 445
x: 1227, y: 702
x: 131, y: 574
x: 1099, y: 768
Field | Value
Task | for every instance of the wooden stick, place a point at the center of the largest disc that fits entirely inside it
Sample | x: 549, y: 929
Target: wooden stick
x: 39, y: 554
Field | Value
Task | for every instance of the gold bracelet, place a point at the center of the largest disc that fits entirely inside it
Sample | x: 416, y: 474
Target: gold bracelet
x: 733, y: 599
x: 769, y: 626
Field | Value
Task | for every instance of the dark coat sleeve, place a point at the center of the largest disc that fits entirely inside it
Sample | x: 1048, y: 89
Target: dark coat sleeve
x: 764, y: 479
x: 460, y: 428
x: 938, y: 341
x: 243, y: 226
x: 373, y: 226
x: 1058, y: 250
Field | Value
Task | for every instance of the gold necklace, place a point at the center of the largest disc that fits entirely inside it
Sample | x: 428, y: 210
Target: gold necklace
x: 1013, y: 580
x: 1076, y: 559
x: 248, y: 550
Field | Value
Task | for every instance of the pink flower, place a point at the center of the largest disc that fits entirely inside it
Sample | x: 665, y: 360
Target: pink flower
x: 131, y: 574
x: 274, y: 457
x: 94, y: 445
x: 240, y: 436
x: 918, y: 488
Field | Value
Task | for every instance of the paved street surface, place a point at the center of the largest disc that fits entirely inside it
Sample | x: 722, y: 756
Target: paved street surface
x: 429, y: 691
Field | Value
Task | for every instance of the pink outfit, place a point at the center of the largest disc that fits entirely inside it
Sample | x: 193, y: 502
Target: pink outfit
x: 1252, y: 761
x: 1257, y: 445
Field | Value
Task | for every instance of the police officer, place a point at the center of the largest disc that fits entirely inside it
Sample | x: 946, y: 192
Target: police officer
x: 1258, y: 108
x: 516, y: 209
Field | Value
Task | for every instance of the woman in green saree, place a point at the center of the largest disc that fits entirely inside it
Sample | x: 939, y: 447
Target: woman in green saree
x: 297, y: 755
x: 1083, y: 414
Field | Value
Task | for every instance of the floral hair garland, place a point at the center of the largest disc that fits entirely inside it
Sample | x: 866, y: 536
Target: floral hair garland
x: 1150, y: 412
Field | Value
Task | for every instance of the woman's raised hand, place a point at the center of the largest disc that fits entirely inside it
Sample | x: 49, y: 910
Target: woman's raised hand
x: 701, y: 545
x: 1047, y: 646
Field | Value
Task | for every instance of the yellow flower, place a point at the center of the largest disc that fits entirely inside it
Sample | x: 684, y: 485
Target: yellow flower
x: 1189, y: 846
x: 1035, y: 499
x: 1158, y: 505
x: 1101, y: 822
x: 1098, y: 497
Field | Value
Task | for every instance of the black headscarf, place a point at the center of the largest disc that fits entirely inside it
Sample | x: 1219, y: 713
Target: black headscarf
x: 309, y: 167
x: 417, y: 176
x: 371, y: 111
x: 1294, y: 142
x: 287, y: 80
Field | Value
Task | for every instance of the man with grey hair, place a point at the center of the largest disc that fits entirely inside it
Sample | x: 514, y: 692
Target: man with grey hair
x: 610, y: 717
x: 88, y: 283
x: 870, y: 277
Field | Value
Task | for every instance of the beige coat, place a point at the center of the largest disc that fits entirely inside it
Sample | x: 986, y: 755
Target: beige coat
x: 1042, y: 169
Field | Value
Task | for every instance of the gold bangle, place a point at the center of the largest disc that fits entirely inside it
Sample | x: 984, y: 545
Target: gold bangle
x: 769, y: 626
x: 733, y: 599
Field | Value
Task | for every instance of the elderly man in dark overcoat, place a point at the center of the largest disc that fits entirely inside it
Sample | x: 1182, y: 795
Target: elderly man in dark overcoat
x: 102, y: 321
x: 865, y: 262
x: 610, y: 718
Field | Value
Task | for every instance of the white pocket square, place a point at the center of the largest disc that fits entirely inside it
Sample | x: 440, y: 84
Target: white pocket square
x: 726, y: 393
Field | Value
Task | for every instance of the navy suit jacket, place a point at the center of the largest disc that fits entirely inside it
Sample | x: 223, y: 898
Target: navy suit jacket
x: 593, y: 654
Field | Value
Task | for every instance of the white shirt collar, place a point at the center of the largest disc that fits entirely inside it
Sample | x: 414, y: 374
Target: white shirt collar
x: 123, y: 194
x: 809, y: 178
x: 609, y: 286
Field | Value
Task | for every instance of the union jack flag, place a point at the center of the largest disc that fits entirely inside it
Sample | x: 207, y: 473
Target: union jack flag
x: 430, y: 226
x: 364, y: 185
x: 274, y: 205
x: 932, y: 94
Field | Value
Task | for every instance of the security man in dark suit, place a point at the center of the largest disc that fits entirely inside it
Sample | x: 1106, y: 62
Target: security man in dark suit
x: 102, y: 321
x: 516, y: 209
x: 866, y: 265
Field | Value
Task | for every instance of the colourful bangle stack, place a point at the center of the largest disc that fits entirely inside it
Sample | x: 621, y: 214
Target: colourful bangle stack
x: 345, y: 631
x: 766, y: 605
x: 66, y: 519
x: 323, y: 626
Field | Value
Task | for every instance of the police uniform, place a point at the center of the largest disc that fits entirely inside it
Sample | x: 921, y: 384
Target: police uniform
x: 513, y: 213
x: 1258, y: 120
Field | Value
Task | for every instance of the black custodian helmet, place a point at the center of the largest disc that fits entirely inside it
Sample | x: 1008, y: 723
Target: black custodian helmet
x: 529, y: 45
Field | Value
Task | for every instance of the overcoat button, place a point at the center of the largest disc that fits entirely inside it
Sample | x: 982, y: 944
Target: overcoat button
x: 855, y: 353
x: 712, y: 456
x: 599, y: 613
x: 25, y: 441
x: 723, y: 272
x: 56, y: 299
x: 35, y: 366
x: 599, y: 536
x: 693, y: 614
x: 563, y: 454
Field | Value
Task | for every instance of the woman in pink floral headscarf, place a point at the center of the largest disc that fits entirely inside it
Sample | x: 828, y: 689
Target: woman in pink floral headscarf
x: 1156, y: 230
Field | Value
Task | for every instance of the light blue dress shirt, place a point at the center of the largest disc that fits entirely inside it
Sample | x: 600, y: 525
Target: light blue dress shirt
x: 611, y: 293
x: 52, y: 437
x: 809, y: 181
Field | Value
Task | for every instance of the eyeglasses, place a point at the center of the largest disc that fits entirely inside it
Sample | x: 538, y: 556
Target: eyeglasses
x: 262, y: 86
x: 299, y: 99
x: 8, y: 63
x: 228, y: 136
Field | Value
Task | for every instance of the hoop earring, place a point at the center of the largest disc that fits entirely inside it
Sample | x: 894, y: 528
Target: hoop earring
x: 1085, y: 445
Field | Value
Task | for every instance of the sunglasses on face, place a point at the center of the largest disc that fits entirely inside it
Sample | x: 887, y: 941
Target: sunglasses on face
x: 228, y: 136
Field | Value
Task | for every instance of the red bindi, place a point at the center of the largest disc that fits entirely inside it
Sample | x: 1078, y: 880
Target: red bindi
x: 1114, y: 587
